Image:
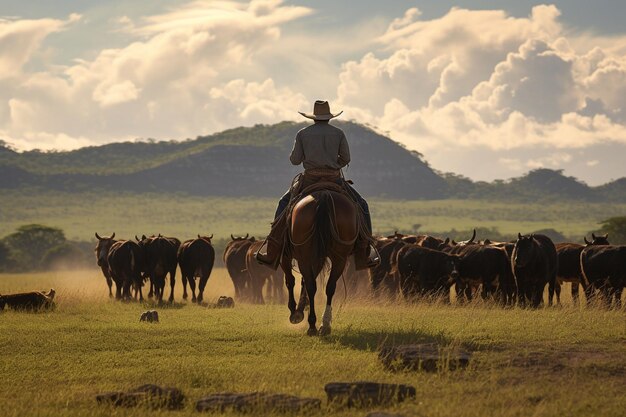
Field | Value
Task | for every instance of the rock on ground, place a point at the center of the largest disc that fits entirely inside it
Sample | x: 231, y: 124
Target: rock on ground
x: 367, y: 394
x: 150, y: 316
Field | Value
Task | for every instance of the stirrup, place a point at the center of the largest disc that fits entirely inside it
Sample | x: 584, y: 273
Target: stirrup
x: 374, y: 257
x: 262, y: 259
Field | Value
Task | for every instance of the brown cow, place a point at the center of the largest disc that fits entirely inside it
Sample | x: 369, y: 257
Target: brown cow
x: 102, y: 253
x: 380, y: 276
x: 235, y: 261
x: 569, y: 265
x: 260, y: 274
x: 431, y: 242
x: 36, y: 300
x: 196, y: 258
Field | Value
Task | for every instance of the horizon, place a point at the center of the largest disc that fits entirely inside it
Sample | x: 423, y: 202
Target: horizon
x: 487, y: 92
x: 422, y: 157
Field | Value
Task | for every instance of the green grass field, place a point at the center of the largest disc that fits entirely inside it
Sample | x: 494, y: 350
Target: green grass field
x: 568, y: 361
x: 80, y: 215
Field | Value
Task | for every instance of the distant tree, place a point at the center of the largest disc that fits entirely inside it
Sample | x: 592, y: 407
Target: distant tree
x: 31, y: 242
x: 616, y: 228
x: 6, y: 257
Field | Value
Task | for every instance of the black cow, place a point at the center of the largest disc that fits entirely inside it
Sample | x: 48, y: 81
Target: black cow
x: 102, y: 253
x: 604, y: 269
x: 569, y: 265
x: 485, y: 266
x: 381, y: 276
x: 196, y: 258
x: 160, y: 256
x: 534, y: 262
x: 235, y: 260
x: 125, y: 261
x: 422, y: 271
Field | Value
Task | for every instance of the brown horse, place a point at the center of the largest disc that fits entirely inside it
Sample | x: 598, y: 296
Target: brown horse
x: 323, y: 226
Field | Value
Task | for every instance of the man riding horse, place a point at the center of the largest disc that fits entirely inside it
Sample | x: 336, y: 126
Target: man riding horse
x: 323, y: 150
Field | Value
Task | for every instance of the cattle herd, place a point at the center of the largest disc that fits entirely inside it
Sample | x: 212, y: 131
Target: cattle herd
x: 412, y: 267
x: 130, y: 263
x: 506, y: 272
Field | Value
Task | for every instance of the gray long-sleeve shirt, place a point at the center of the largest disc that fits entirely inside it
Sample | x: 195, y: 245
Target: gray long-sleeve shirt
x: 321, y: 145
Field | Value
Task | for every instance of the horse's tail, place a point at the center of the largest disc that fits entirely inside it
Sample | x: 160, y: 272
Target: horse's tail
x: 323, y: 233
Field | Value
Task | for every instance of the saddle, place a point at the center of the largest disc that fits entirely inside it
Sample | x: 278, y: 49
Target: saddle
x: 305, y: 184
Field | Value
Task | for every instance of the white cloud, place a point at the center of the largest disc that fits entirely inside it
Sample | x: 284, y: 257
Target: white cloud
x: 517, y: 92
x: 189, y: 71
x: 19, y: 39
x: 482, y: 79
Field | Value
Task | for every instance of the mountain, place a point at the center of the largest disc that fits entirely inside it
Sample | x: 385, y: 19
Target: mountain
x: 253, y: 161
x: 238, y: 162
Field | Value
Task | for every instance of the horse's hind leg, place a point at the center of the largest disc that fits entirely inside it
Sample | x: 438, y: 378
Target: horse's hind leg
x: 309, y: 278
x: 295, y: 316
x: 331, y: 286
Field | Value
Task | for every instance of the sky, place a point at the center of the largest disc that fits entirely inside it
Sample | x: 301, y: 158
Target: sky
x: 485, y: 89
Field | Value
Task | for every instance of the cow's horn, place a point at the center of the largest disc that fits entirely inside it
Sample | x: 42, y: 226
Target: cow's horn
x: 519, y: 235
x: 199, y: 237
x: 445, y: 242
x: 112, y: 236
x: 211, y: 237
x: 98, y: 236
x: 137, y: 239
x: 473, y: 237
x: 232, y: 237
x: 593, y: 236
x: 606, y: 236
x: 247, y: 235
x: 586, y: 241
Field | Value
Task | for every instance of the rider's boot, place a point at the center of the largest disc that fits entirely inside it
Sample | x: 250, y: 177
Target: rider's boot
x: 273, y: 244
x: 365, y: 256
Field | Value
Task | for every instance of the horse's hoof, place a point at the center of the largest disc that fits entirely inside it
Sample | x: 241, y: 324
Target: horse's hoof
x: 193, y: 300
x: 311, y: 332
x: 324, y: 330
x: 296, y: 317
x: 184, y: 296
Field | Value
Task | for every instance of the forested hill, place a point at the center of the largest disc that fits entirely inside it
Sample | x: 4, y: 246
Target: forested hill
x: 254, y: 162
x: 238, y: 162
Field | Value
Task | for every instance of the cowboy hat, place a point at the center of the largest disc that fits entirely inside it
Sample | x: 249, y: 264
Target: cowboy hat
x: 321, y: 111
